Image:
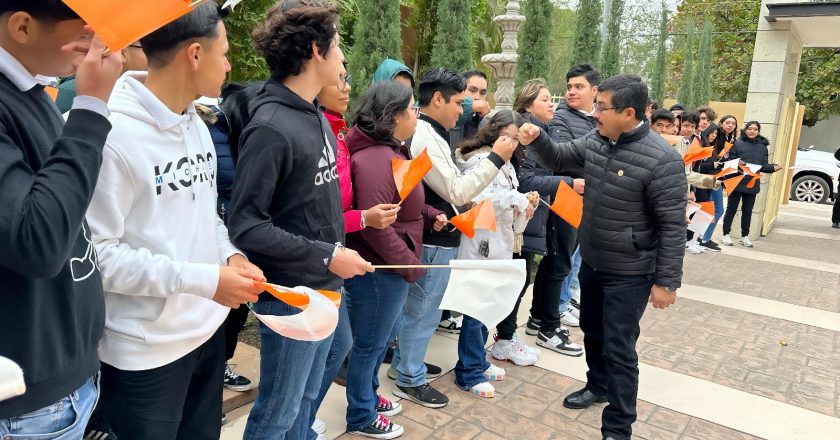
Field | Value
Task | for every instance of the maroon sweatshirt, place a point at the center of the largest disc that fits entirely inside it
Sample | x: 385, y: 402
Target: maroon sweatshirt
x: 373, y: 183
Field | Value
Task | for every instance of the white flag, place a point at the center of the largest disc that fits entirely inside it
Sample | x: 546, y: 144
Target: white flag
x: 484, y: 289
x: 315, y: 323
x: 11, y: 379
x: 700, y: 222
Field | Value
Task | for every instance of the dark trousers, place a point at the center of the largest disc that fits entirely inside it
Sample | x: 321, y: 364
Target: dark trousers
x: 835, y: 212
x: 181, y: 400
x: 747, y: 202
x: 610, y: 310
x: 553, y: 269
x: 507, y: 327
x: 233, y: 325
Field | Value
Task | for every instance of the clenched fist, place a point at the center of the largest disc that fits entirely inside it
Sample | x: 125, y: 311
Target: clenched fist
x: 528, y: 133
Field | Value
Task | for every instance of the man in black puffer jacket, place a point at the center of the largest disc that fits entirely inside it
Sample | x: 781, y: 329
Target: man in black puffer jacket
x: 632, y: 239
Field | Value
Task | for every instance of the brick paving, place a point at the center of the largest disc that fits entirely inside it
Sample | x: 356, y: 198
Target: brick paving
x: 529, y: 406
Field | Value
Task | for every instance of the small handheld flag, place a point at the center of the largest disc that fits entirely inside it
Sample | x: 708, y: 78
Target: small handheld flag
x: 409, y: 173
x: 481, y: 216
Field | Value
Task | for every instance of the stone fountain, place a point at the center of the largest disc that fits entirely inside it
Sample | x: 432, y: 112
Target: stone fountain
x: 504, y: 64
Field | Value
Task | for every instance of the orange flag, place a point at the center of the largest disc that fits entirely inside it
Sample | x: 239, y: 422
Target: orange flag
x: 120, y: 23
x: 726, y: 147
x: 696, y: 152
x: 754, y: 179
x: 481, y: 216
x: 731, y: 184
x: 295, y: 299
x: 708, y: 208
x: 52, y: 92
x: 568, y: 204
x: 725, y: 172
x: 409, y: 173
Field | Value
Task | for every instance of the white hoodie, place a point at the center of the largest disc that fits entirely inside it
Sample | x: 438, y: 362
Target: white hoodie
x: 158, y: 238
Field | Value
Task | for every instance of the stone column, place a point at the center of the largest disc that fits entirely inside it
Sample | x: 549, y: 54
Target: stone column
x: 775, y: 68
x: 504, y: 64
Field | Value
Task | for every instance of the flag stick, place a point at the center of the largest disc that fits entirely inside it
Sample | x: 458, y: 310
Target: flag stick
x: 545, y: 203
x: 412, y: 266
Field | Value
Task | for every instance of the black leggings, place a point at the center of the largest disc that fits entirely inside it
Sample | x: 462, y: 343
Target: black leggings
x: 747, y: 201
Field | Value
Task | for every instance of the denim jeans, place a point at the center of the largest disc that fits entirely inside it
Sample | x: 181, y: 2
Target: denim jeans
x: 341, y: 344
x: 62, y: 420
x: 374, y: 303
x: 611, y: 308
x: 421, y: 317
x: 291, y: 373
x: 570, y: 282
x: 472, y: 359
x: 717, y: 197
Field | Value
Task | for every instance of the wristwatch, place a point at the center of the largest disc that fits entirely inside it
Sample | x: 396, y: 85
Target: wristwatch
x: 338, y: 247
x: 670, y: 289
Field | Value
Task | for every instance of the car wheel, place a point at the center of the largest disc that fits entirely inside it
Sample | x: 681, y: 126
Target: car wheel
x: 810, y: 189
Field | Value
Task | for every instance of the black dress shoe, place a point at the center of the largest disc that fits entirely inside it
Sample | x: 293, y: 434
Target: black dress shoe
x: 582, y: 399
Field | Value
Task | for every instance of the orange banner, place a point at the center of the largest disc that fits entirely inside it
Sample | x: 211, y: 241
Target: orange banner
x: 696, y: 152
x: 120, y: 23
x: 568, y: 204
x: 725, y: 172
x: 409, y: 173
x: 726, y: 147
x: 731, y: 184
x: 754, y: 179
x: 481, y: 216
x: 298, y: 300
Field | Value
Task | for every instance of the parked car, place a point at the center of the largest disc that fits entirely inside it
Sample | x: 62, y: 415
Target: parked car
x: 814, y: 176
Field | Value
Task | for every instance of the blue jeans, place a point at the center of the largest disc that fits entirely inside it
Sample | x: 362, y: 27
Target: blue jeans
x: 717, y: 197
x: 570, y: 282
x: 374, y: 303
x: 421, y: 317
x: 291, y: 373
x: 62, y: 420
x: 472, y: 359
x: 341, y: 344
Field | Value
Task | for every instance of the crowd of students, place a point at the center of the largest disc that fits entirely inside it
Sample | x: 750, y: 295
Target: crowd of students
x: 137, y: 227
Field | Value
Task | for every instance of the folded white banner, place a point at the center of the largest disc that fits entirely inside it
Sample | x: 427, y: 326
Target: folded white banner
x: 315, y: 323
x: 484, y: 289
x: 11, y: 379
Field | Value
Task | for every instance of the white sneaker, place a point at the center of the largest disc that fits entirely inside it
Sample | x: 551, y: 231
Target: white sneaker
x: 574, y: 311
x: 495, y: 373
x: 745, y: 241
x: 319, y: 427
x: 532, y: 350
x: 505, y: 350
x: 569, y: 320
x: 694, y: 247
x: 575, y: 294
x: 484, y: 389
x: 726, y: 240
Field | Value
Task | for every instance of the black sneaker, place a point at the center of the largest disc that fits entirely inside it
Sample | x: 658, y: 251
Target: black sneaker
x: 389, y: 355
x: 432, y: 371
x: 533, y: 326
x: 235, y: 382
x: 380, y: 428
x: 423, y: 395
x: 558, y: 341
x: 387, y: 408
x: 710, y: 246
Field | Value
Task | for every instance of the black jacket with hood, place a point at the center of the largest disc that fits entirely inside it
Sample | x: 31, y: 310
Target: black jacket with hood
x: 286, y: 210
x: 752, y: 151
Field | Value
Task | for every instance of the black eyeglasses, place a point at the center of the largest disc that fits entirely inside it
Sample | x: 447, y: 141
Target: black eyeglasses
x: 596, y: 108
x: 344, y: 81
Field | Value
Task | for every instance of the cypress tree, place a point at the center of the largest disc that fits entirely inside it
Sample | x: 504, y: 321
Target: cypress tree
x: 610, y: 56
x: 687, y: 86
x: 376, y: 37
x: 452, y: 45
x: 587, y: 39
x: 702, y: 77
x: 657, y: 78
x: 533, y: 41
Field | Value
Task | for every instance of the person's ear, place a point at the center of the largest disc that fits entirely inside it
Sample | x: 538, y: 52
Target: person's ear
x: 438, y: 99
x: 20, y: 27
x: 192, y: 54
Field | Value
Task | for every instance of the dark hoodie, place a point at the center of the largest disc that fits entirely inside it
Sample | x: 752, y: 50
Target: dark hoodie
x: 752, y: 151
x: 286, y: 207
x: 707, y: 166
x: 373, y: 183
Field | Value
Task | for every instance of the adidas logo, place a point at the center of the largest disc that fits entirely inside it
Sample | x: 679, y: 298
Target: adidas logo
x: 327, y: 171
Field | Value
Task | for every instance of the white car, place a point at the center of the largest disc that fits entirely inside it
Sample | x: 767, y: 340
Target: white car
x: 814, y: 176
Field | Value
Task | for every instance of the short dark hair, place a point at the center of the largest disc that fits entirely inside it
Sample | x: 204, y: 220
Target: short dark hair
x: 471, y: 73
x: 285, y: 37
x: 677, y: 106
x: 709, y: 111
x: 443, y: 80
x: 201, y: 22
x: 586, y: 71
x: 691, y: 117
x: 47, y: 10
x: 377, y: 111
x: 628, y: 91
x: 662, y: 114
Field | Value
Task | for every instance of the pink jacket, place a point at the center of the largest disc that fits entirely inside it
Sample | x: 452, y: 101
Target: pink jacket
x: 352, y: 217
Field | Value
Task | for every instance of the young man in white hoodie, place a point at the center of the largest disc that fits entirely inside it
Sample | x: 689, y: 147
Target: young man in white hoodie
x: 168, y: 268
